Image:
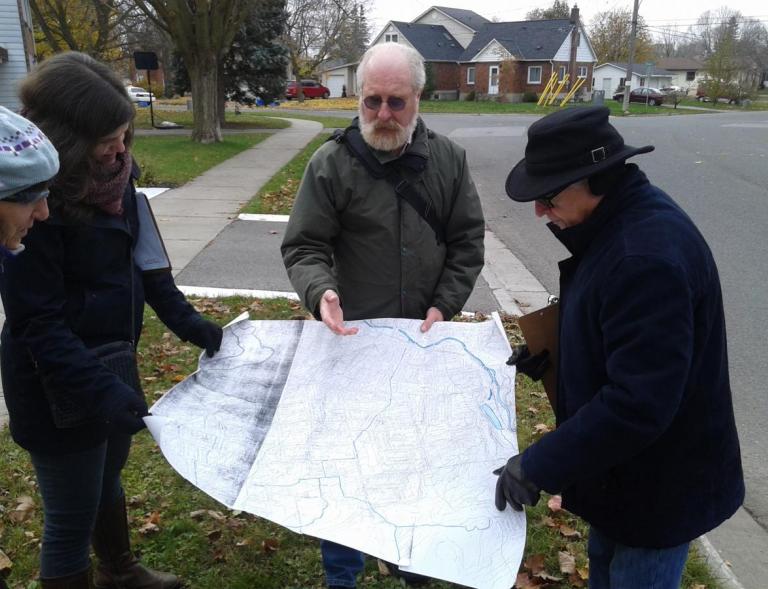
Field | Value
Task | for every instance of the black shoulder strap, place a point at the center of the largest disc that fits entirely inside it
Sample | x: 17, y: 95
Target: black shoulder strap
x: 353, y: 139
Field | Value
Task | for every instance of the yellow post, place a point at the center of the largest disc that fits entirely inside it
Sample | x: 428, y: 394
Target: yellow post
x: 559, y: 88
x: 570, y: 94
x: 547, y: 88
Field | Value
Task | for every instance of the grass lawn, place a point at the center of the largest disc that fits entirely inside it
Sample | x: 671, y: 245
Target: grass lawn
x: 473, y: 107
x: 184, y: 117
x: 276, y: 196
x: 172, y: 160
x: 754, y: 105
x: 178, y: 528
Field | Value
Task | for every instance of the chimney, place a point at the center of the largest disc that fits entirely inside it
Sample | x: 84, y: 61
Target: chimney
x: 575, y: 14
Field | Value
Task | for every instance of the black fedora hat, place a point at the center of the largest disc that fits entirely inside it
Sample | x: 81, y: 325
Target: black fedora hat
x: 565, y: 147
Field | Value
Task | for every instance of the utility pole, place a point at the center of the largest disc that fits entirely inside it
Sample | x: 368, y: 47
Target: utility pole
x: 628, y: 78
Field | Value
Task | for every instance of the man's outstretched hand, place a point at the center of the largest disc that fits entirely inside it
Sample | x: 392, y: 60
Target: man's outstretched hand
x: 433, y: 314
x: 332, y: 315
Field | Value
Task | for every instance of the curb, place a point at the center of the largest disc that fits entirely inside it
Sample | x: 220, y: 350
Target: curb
x: 715, y: 563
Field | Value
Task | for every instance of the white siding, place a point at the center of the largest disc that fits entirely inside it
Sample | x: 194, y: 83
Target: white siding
x: 583, y: 52
x: 391, y: 29
x: 462, y: 33
x: 493, y: 52
x: 11, y: 40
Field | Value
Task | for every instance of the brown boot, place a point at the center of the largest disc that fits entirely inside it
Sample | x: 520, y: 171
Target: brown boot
x: 118, y: 568
x: 79, y: 581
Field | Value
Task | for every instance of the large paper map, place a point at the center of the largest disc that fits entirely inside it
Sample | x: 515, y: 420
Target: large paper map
x: 384, y: 441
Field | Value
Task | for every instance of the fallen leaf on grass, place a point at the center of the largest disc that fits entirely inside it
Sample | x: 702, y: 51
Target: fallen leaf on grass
x: 178, y: 378
x: 698, y: 586
x: 549, y: 522
x: 545, y: 576
x: 5, y: 562
x: 555, y: 503
x: 270, y: 545
x: 567, y: 562
x: 151, y: 524
x: 213, y: 535
x: 524, y: 581
x: 534, y: 563
x: 541, y: 428
x: 569, y: 532
x: 244, y: 542
x: 383, y: 570
x: 23, y: 510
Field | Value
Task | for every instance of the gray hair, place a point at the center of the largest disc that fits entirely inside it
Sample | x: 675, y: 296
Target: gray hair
x: 411, y: 56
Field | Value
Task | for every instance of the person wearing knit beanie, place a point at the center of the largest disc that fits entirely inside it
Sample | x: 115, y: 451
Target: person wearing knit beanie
x: 28, y: 161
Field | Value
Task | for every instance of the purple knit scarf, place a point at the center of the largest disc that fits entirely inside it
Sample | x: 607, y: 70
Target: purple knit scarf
x: 108, y: 184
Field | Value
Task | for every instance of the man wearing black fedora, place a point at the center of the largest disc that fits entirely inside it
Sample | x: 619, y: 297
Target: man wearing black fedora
x: 646, y: 449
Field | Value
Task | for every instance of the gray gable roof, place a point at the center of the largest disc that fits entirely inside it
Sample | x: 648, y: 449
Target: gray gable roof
x: 468, y: 18
x: 433, y: 42
x: 529, y: 39
x: 640, y: 69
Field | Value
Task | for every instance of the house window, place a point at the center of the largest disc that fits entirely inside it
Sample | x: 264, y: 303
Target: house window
x: 534, y: 74
x: 621, y: 81
x: 582, y: 71
x: 561, y: 72
x: 470, y: 75
x: 690, y: 76
x: 390, y: 38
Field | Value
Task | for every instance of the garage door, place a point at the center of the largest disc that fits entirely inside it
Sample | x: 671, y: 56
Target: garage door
x: 336, y: 84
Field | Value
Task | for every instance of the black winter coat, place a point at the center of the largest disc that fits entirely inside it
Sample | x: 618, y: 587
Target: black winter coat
x: 69, y: 291
x: 646, y: 448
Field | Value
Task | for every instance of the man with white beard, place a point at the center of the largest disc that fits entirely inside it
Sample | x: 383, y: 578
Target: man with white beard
x: 386, y: 223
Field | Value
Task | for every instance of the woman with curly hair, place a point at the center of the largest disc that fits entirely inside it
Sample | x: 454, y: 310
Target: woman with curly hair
x: 74, y: 312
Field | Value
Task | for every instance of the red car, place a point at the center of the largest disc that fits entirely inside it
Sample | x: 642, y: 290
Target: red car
x: 311, y: 88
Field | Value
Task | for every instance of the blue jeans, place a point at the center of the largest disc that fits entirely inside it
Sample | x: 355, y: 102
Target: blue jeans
x: 616, y: 566
x: 73, y: 486
x: 341, y: 563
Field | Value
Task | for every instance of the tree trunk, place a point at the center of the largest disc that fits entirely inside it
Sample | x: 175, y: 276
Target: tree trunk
x: 203, y: 74
x: 221, y: 104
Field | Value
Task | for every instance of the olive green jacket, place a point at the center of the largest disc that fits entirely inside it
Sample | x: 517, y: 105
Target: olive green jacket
x: 351, y: 233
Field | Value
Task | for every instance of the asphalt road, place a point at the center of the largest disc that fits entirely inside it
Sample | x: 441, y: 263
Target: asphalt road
x: 716, y: 167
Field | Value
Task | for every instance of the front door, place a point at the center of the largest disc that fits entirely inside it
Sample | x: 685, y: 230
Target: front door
x: 493, y: 79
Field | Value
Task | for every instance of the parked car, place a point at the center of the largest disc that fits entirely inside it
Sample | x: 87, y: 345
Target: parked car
x: 732, y: 93
x: 650, y: 96
x: 311, y: 89
x: 138, y: 94
x: 675, y: 89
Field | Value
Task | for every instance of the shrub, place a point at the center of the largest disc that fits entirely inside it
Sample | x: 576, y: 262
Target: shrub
x: 470, y: 96
x: 530, y: 97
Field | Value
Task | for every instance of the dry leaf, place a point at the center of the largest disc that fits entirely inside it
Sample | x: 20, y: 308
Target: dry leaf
x: 534, y: 563
x: 178, y: 378
x: 383, y: 570
x: 549, y: 522
x: 213, y: 535
x: 567, y: 562
x: 198, y: 514
x: 698, y: 586
x: 154, y: 518
x: 5, y: 562
x: 576, y: 580
x: 541, y: 428
x: 149, y: 528
x: 545, y: 576
x: 244, y: 542
x: 23, y: 509
x: 569, y: 532
x: 523, y: 581
x: 217, y: 515
x: 270, y: 545
x: 555, y: 503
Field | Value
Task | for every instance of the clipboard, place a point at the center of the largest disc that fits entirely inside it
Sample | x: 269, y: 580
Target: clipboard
x: 540, y: 330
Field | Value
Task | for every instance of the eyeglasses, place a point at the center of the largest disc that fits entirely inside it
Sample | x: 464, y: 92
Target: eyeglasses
x: 394, y: 103
x: 547, y: 201
x: 28, y: 196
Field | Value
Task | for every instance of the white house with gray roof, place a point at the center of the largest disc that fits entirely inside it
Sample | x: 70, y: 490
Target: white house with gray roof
x: 17, y: 49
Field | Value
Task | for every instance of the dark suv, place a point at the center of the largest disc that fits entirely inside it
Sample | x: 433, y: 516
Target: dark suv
x: 311, y: 89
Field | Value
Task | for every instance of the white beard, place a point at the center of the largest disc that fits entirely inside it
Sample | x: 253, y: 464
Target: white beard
x: 386, y: 136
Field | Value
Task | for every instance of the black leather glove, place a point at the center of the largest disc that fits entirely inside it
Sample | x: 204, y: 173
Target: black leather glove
x: 125, y: 409
x: 533, y: 366
x: 207, y: 335
x: 512, y: 487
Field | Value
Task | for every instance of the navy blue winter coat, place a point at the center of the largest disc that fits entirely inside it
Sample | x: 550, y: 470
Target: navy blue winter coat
x: 646, y: 448
x: 69, y: 291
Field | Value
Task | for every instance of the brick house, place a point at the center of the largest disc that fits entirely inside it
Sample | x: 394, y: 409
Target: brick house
x: 466, y: 52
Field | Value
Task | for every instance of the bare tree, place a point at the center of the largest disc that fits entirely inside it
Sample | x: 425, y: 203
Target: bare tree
x: 202, y: 31
x: 609, y: 33
x: 312, y: 31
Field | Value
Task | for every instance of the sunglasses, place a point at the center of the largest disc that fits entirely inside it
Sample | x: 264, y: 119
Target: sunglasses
x: 28, y: 196
x: 394, y: 103
x: 546, y: 201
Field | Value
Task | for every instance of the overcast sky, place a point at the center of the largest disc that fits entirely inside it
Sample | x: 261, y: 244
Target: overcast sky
x: 655, y: 12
